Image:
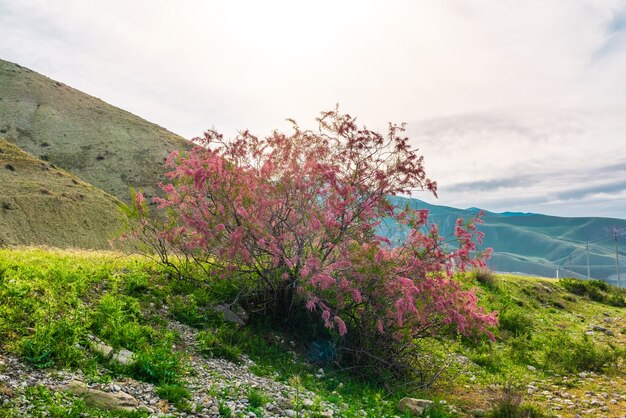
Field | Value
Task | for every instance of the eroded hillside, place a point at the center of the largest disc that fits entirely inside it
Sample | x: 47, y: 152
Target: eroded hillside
x: 43, y: 205
x: 104, y: 145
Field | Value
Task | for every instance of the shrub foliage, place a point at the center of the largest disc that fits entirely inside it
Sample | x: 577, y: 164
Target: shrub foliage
x: 297, y: 216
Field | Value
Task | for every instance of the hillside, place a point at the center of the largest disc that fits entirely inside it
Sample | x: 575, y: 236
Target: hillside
x: 533, y: 243
x: 105, y: 146
x: 559, y: 350
x: 43, y: 205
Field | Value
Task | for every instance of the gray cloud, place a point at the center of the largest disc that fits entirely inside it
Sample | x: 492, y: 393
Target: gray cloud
x: 489, y: 185
x: 515, y: 106
x: 582, y: 192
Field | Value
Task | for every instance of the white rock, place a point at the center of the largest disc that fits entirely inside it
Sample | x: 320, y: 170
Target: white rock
x: 124, y: 357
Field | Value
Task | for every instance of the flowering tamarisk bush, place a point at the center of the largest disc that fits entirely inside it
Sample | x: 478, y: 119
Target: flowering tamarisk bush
x: 299, y: 213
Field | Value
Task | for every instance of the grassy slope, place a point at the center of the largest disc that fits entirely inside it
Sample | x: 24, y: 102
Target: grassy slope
x: 42, y: 205
x: 104, y: 145
x: 543, y: 326
x: 546, y: 340
x: 51, y: 300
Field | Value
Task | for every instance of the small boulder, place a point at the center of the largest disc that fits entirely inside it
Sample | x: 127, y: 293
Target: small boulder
x: 230, y: 315
x: 414, y: 406
x: 101, y: 348
x: 100, y: 399
x: 124, y: 357
x: 602, y: 329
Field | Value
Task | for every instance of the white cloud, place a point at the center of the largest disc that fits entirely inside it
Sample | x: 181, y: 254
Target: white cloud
x: 489, y: 80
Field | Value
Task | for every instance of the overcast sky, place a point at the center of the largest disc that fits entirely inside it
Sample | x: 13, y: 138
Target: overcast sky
x: 516, y: 105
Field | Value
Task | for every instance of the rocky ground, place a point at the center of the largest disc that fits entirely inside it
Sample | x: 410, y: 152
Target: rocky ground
x: 217, y: 382
x: 587, y: 394
x: 212, y: 382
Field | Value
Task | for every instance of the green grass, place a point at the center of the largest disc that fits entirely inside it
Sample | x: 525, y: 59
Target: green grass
x: 52, y: 302
x: 54, y: 404
x: 543, y: 323
x: 596, y: 290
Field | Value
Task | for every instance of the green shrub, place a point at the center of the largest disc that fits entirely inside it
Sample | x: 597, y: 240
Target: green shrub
x: 516, y: 321
x: 175, y: 393
x: 596, y: 290
x: 135, y: 283
x: 256, y: 398
x: 159, y: 365
x: 522, y: 349
x: 224, y: 410
x: 564, y: 353
x: 488, y: 357
x: 57, y: 343
x: 486, y: 277
x: 510, y: 405
x: 115, y: 320
x: 185, y: 309
x: 210, y: 344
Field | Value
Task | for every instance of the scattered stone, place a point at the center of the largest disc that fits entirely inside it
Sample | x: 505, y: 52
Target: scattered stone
x: 602, y: 329
x: 531, y: 368
x: 101, y: 348
x: 124, y: 357
x: 229, y: 314
x: 100, y: 399
x: 6, y: 391
x: 414, y: 406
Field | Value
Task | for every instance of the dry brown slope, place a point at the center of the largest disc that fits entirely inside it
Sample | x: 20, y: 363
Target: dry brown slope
x: 42, y: 205
x: 104, y: 145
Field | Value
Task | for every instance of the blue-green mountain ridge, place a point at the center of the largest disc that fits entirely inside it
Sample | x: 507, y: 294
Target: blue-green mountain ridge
x: 532, y: 243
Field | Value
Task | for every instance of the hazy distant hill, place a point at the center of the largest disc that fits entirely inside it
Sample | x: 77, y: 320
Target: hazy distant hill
x: 534, y: 243
x: 106, y: 146
x: 42, y: 205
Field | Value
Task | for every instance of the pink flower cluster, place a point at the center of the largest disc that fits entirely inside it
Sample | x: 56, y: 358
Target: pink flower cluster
x: 300, y: 212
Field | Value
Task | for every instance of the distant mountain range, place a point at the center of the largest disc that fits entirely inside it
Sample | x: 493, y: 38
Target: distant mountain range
x: 67, y: 161
x: 535, y: 244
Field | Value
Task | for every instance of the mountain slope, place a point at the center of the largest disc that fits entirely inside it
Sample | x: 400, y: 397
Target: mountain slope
x: 533, y: 243
x: 42, y: 205
x: 106, y: 146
